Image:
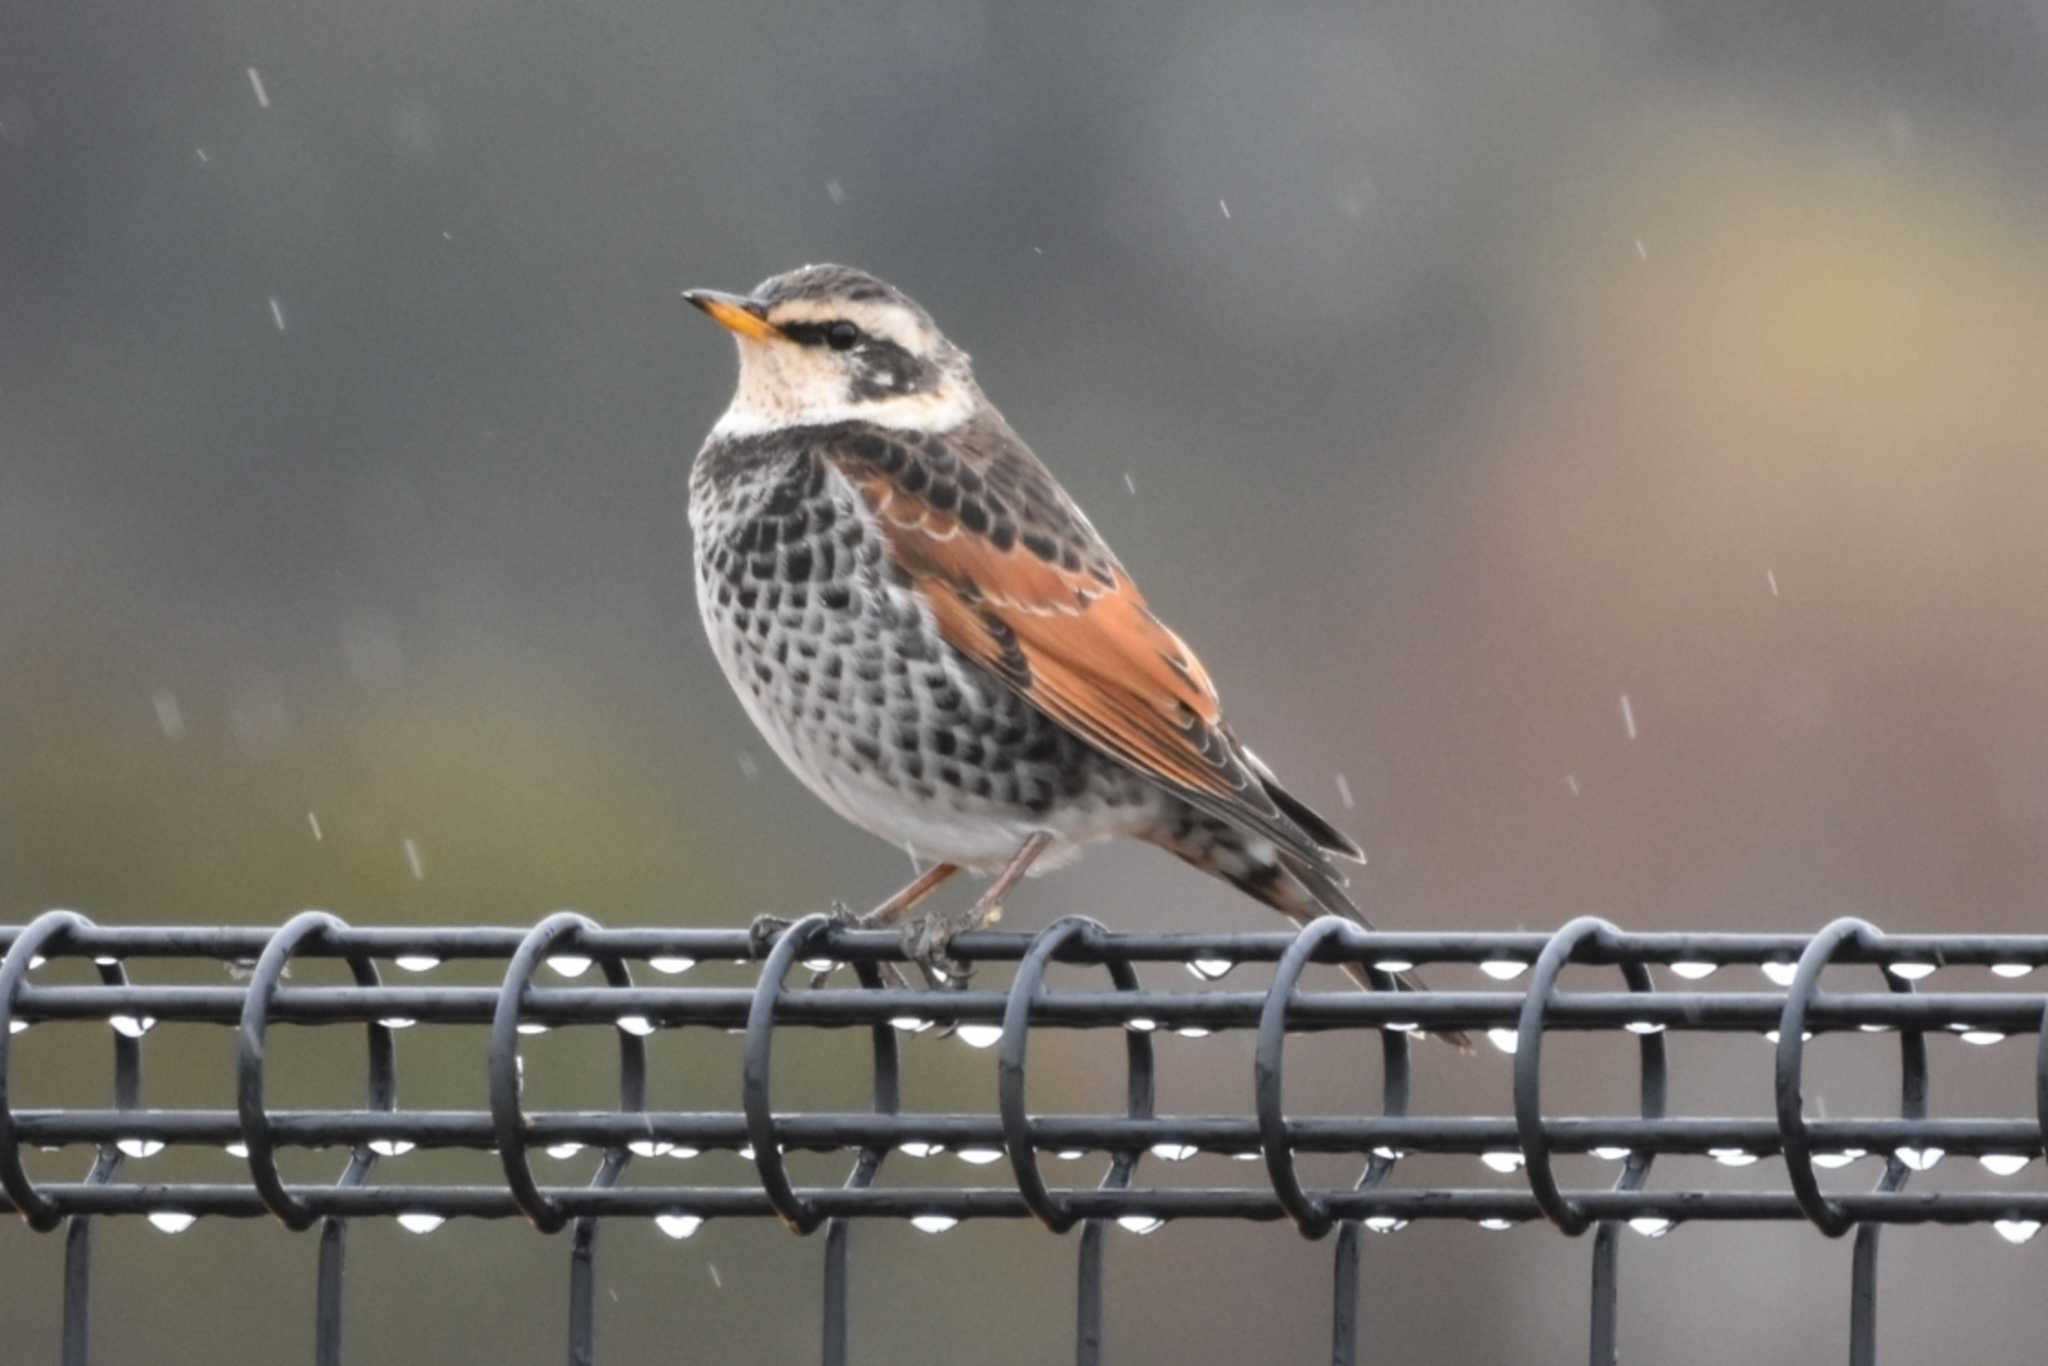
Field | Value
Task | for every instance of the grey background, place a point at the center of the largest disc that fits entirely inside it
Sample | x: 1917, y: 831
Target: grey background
x: 1543, y: 354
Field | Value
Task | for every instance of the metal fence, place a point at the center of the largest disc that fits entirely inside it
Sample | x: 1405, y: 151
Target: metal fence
x: 1516, y: 1018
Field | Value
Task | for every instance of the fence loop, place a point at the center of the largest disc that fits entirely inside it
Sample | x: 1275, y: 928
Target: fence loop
x: 800, y: 1215
x: 38, y: 1209
x: 1018, y: 1141
x: 1568, y: 1214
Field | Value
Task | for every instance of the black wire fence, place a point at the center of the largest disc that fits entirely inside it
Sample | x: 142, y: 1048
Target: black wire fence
x: 1517, y: 1018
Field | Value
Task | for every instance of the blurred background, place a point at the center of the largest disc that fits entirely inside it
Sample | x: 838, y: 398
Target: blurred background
x: 1598, y: 448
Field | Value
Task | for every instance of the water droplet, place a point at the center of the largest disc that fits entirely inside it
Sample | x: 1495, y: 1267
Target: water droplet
x: 1394, y: 965
x: 36, y: 960
x: 681, y: 1153
x: 1610, y: 1154
x: 2004, y: 1164
x: 419, y: 1221
x: 1771, y: 1035
x: 256, y: 84
x: 1070, y: 1154
x: 1643, y: 1027
x: 746, y: 1152
x: 648, y: 1147
x: 532, y: 1027
x: 1141, y: 1025
x: 417, y: 962
x: 132, y: 1026
x: 391, y: 1147
x: 1384, y: 1153
x: 561, y: 1150
x: 1174, y: 1152
x: 919, y: 1148
x: 1210, y: 969
x: 1503, y: 1039
x: 238, y: 1150
x: 671, y: 965
x: 1875, y: 1028
x: 910, y: 1024
x: 1982, y: 1037
x: 1694, y: 971
x: 105, y: 961
x: 2012, y: 969
x: 1141, y: 1224
x: 172, y: 1220
x: 410, y: 846
x: 638, y: 1025
x: 932, y: 1223
x: 1404, y: 1026
x: 1192, y: 1032
x: 1502, y: 1162
x: 140, y: 1147
x: 980, y: 1035
x: 1650, y: 1225
x: 821, y: 964
x: 2016, y: 1231
x: 569, y: 964
x: 1385, y: 1223
x: 313, y: 824
x: 1503, y: 969
x: 17, y: 1026
x: 397, y: 1022
x: 1733, y: 1157
x: 1496, y: 1225
x: 678, y: 1225
x: 1835, y: 1161
x: 1781, y: 973
x: 1909, y: 972
x: 979, y: 1157
x: 1921, y: 1159
x: 1248, y: 1155
x: 1628, y: 716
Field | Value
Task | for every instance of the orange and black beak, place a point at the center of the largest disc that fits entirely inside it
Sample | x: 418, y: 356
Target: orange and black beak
x: 735, y: 312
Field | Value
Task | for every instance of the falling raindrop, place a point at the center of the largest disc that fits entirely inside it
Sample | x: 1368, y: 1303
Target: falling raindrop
x: 1503, y: 1039
x: 1211, y: 969
x: 1174, y: 1152
x: 671, y: 966
x: 932, y: 1223
x: 1694, y: 972
x: 1650, y: 1225
x: 1909, y: 972
x: 1140, y: 1224
x: 417, y: 962
x: 140, y: 1147
x: 979, y: 1157
x: 170, y: 717
x: 256, y: 85
x: 1503, y: 969
x: 678, y: 1225
x: 132, y: 1026
x: 173, y: 1220
x: 313, y: 824
x: 419, y: 1221
x: 2004, y: 1164
x: 1628, y: 716
x: 638, y: 1025
x: 1225, y: 206
x: 1344, y: 792
x: 1502, y: 1162
x: 2016, y: 1231
x: 980, y: 1035
x: 391, y: 1147
x: 569, y: 964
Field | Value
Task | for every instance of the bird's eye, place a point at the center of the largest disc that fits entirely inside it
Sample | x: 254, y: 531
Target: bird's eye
x: 841, y: 336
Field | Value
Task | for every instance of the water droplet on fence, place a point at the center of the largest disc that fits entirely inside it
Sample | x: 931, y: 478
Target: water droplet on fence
x: 1503, y: 969
x: 1496, y: 1225
x: 391, y: 1147
x: 1921, y: 1159
x: 1771, y: 1035
x: 1174, y: 1152
x: 979, y: 1157
x: 1650, y: 1225
x: 1192, y: 1032
x: 671, y: 965
x: 821, y: 964
x: 533, y: 1027
x: 919, y: 1148
x: 132, y: 1026
x: 1210, y: 969
x: 417, y: 962
x: 1875, y: 1028
x: 2016, y: 1231
x: 560, y: 1150
x: 17, y: 1026
x: 569, y: 964
x: 1834, y: 1161
x: 1385, y: 1223
x: 1394, y: 965
x: 172, y: 1220
x: 1070, y: 1154
x: 678, y: 1225
x: 1611, y: 1154
x: 1404, y: 1026
x: 237, y: 1150
x: 2012, y: 969
x: 1781, y: 973
x: 1643, y: 1027
x: 1502, y: 1162
x: 36, y: 960
x: 1140, y: 1224
x: 139, y: 1147
x: 1909, y: 972
x: 681, y: 1153
x: 419, y: 1221
x: 1503, y: 1039
x: 932, y: 1223
x: 980, y: 1035
x: 2004, y: 1164
x: 746, y: 1152
x: 1982, y: 1037
x: 910, y: 1024
x: 638, y: 1025
x: 1694, y: 971
x: 1384, y: 1153
x: 1141, y: 1025
x: 1248, y: 1155
x: 1733, y: 1157
x: 648, y: 1147
x: 397, y: 1022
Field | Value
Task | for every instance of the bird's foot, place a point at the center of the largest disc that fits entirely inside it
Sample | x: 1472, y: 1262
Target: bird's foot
x: 926, y: 941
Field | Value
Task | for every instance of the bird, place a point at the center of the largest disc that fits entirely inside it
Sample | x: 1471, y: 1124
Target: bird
x: 933, y: 637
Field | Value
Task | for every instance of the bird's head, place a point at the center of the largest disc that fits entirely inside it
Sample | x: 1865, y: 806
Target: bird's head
x: 824, y: 344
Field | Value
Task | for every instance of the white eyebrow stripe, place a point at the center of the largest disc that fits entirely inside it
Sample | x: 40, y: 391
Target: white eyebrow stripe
x: 877, y: 319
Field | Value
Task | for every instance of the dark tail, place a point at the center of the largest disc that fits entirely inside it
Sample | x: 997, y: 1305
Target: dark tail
x: 1299, y: 889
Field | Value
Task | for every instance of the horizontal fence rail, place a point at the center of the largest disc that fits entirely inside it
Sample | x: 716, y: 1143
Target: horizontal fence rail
x: 1663, y: 979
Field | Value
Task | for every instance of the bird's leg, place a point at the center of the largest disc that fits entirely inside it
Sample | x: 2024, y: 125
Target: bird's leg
x: 926, y: 938
x: 899, y: 904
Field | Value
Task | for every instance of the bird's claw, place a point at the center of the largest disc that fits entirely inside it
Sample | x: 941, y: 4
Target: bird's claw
x: 925, y: 943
